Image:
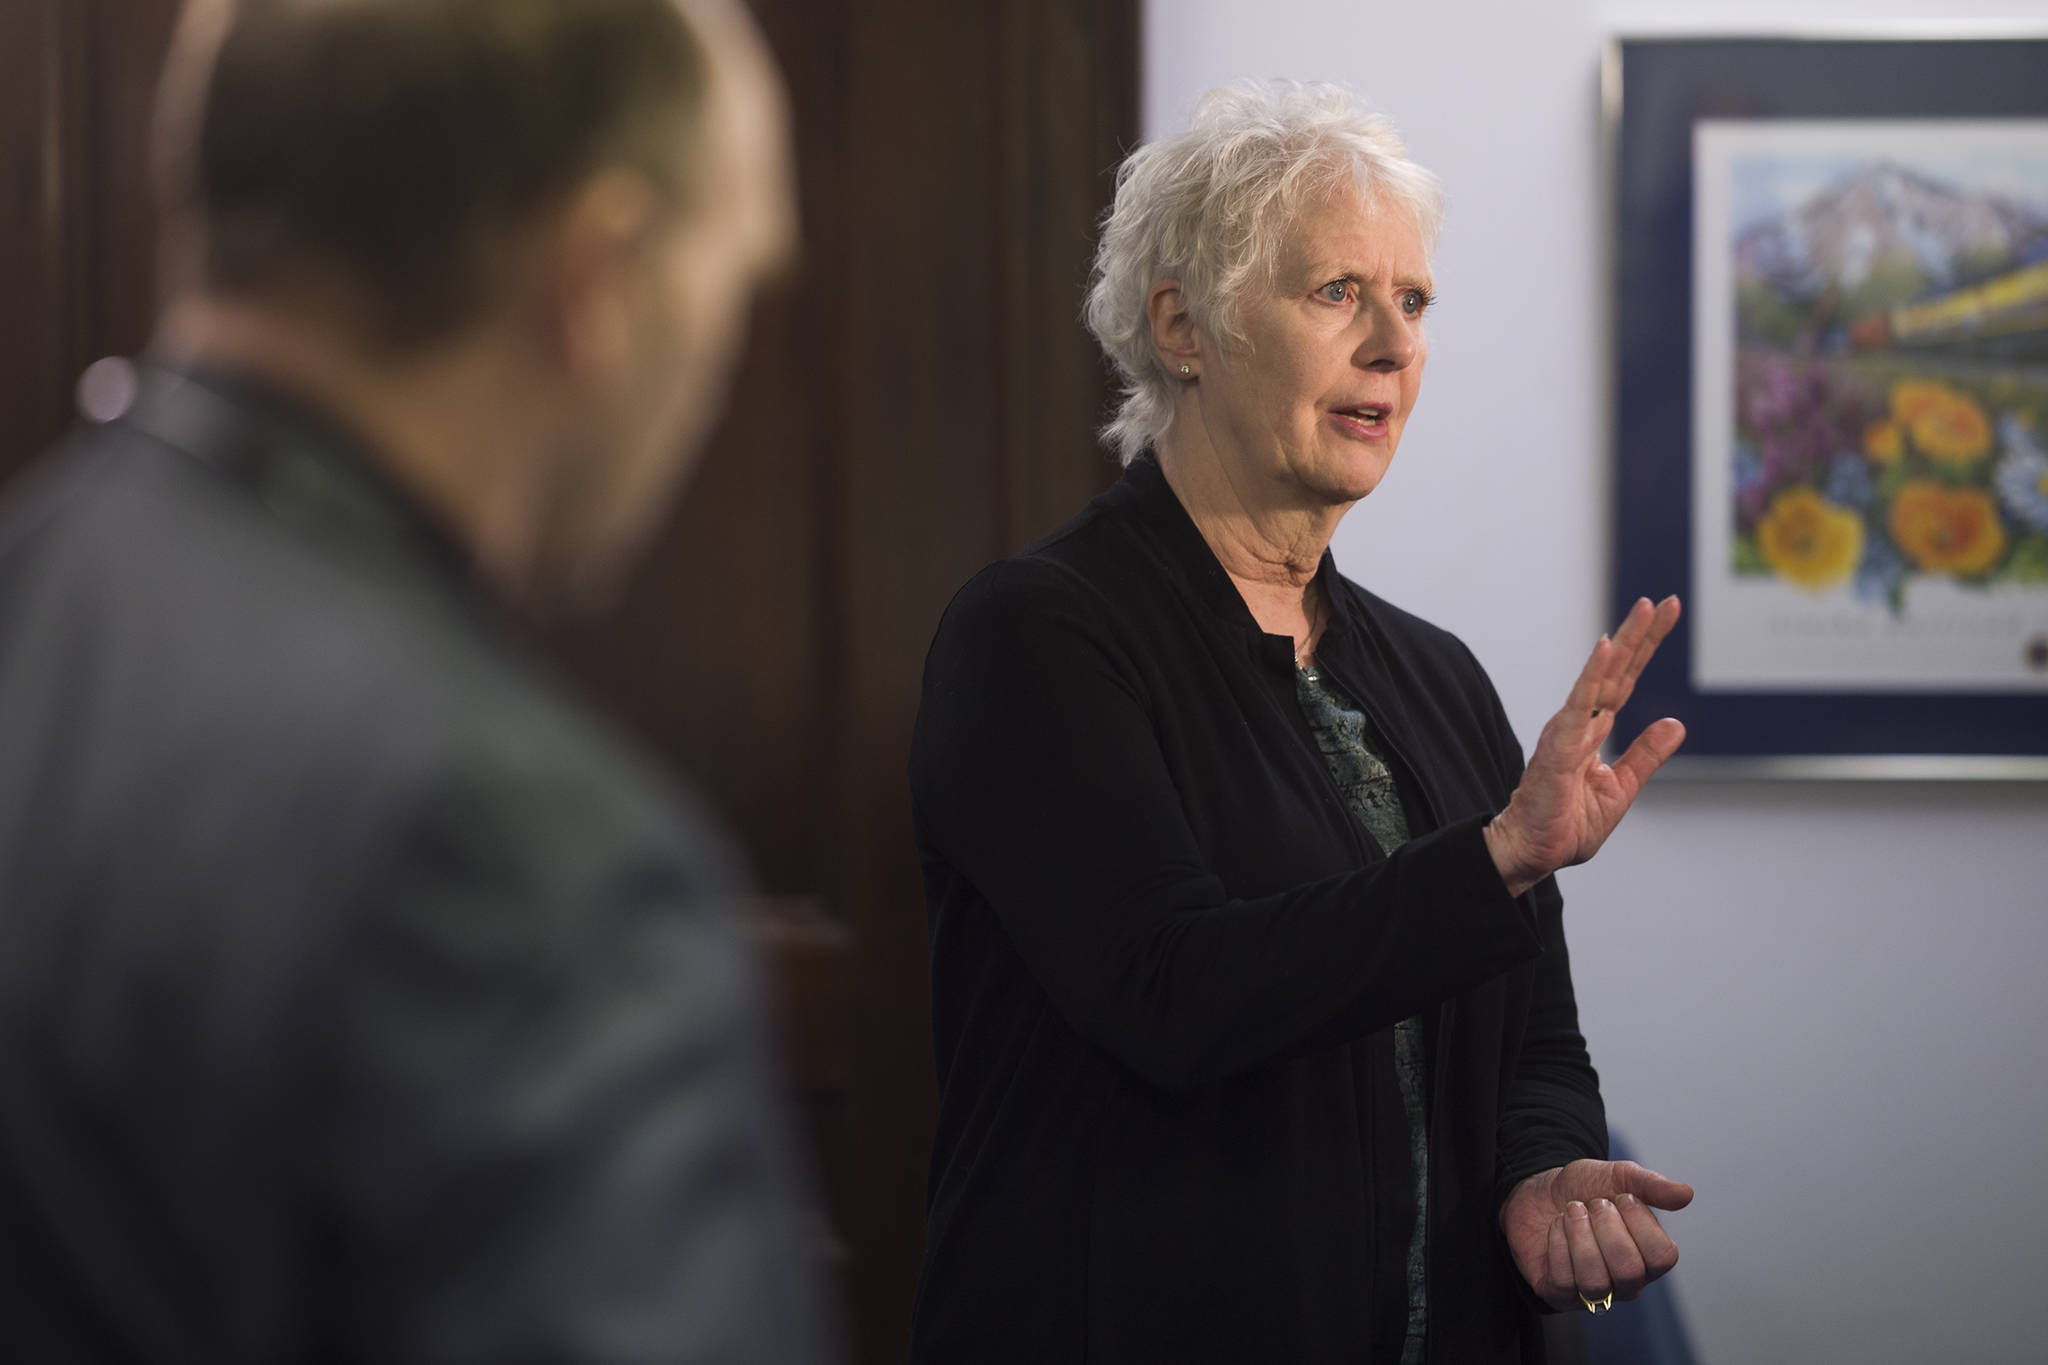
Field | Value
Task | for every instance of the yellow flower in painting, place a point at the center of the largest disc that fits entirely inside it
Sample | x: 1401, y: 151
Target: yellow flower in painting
x: 1947, y: 530
x: 1954, y: 430
x: 1911, y: 397
x: 1808, y: 540
x: 1884, y: 442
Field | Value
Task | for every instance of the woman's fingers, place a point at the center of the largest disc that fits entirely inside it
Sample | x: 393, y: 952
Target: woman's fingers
x: 1605, y: 1245
x: 1633, y: 644
x: 1626, y: 1271
x: 1658, y: 1251
x: 1653, y: 746
x: 1590, y: 1276
x: 1662, y: 618
x: 1613, y: 653
x: 1559, y: 1256
x: 1592, y: 678
x: 1611, y: 670
x: 1587, y: 716
x: 1609, y: 680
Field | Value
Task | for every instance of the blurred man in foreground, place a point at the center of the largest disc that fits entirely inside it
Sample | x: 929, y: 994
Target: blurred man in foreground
x: 360, y: 999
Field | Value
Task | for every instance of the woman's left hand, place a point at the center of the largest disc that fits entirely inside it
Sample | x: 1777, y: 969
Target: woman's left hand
x: 1568, y: 800
x: 1584, y: 1230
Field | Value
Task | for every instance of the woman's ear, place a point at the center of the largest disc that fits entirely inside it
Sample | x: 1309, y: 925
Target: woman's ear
x: 1174, y: 333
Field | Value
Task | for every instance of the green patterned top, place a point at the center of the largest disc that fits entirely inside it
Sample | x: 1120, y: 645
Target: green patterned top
x: 1366, y: 783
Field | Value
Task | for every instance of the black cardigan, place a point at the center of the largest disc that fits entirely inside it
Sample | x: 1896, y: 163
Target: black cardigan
x: 1166, y: 961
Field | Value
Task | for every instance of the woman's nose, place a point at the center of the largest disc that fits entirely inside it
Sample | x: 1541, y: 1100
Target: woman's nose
x: 1389, y: 342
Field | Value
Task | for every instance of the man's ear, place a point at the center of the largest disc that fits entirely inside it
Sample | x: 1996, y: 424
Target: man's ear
x: 1174, y: 334
x: 591, y: 261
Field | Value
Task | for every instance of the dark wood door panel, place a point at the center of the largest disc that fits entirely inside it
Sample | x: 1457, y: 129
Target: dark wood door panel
x: 917, y: 399
x: 77, y: 230
x: 979, y: 143
x: 123, y: 44
x: 36, y: 263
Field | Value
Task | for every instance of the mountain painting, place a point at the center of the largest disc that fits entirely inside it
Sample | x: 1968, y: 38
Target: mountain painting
x: 1871, y: 405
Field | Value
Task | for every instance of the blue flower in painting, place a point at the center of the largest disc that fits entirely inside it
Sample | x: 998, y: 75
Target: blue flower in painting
x: 1752, y: 485
x: 2022, y: 476
x: 1849, y: 482
x: 1880, y: 573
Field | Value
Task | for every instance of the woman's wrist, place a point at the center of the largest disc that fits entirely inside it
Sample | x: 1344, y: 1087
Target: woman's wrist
x: 1508, y: 860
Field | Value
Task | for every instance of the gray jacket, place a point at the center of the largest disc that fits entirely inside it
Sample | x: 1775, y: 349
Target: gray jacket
x: 360, y: 998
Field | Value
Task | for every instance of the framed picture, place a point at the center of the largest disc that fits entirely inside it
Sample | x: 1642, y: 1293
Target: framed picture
x: 1831, y: 397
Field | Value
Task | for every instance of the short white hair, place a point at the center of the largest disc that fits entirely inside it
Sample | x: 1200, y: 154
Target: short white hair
x: 1212, y: 208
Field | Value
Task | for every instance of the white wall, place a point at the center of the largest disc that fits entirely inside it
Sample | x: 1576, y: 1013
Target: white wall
x: 1822, y: 1004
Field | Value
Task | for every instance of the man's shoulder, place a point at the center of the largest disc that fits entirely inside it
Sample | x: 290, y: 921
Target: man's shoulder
x: 147, y: 577
x: 167, y: 632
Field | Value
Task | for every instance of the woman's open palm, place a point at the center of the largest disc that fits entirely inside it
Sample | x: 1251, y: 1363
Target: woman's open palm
x: 1569, y: 801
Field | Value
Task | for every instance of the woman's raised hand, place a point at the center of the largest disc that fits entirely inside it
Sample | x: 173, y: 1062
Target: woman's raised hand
x: 1569, y: 801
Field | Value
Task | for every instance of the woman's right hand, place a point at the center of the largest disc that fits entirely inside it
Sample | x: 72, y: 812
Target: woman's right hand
x: 1569, y: 801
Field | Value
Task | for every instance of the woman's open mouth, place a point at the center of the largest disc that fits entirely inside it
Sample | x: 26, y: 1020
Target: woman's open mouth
x: 1367, y: 420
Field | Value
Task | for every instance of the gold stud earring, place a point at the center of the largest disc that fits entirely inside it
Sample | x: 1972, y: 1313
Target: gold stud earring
x: 1185, y: 370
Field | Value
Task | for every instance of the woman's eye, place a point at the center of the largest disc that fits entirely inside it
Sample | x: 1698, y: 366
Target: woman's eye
x: 1415, y: 301
x: 1336, y: 291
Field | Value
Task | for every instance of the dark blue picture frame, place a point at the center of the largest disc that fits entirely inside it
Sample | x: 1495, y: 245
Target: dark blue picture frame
x: 1654, y: 91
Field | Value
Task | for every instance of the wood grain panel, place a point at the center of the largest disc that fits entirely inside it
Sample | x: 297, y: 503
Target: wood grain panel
x: 976, y: 152
x: 122, y: 45
x: 37, y: 267
x: 1058, y: 176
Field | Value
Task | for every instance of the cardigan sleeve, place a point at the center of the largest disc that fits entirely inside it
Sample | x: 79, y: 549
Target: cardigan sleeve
x: 1551, y: 1111
x: 1037, y: 776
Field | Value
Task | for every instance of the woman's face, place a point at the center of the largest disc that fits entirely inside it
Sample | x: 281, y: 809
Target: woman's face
x: 1317, y: 401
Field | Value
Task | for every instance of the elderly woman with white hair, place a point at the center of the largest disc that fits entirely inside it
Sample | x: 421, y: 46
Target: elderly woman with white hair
x: 1254, y: 1020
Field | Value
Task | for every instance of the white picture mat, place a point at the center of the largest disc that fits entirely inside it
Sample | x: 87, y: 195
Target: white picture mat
x: 1754, y: 633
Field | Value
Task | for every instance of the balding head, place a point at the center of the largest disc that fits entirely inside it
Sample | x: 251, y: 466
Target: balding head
x: 512, y: 241
x: 397, y: 145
